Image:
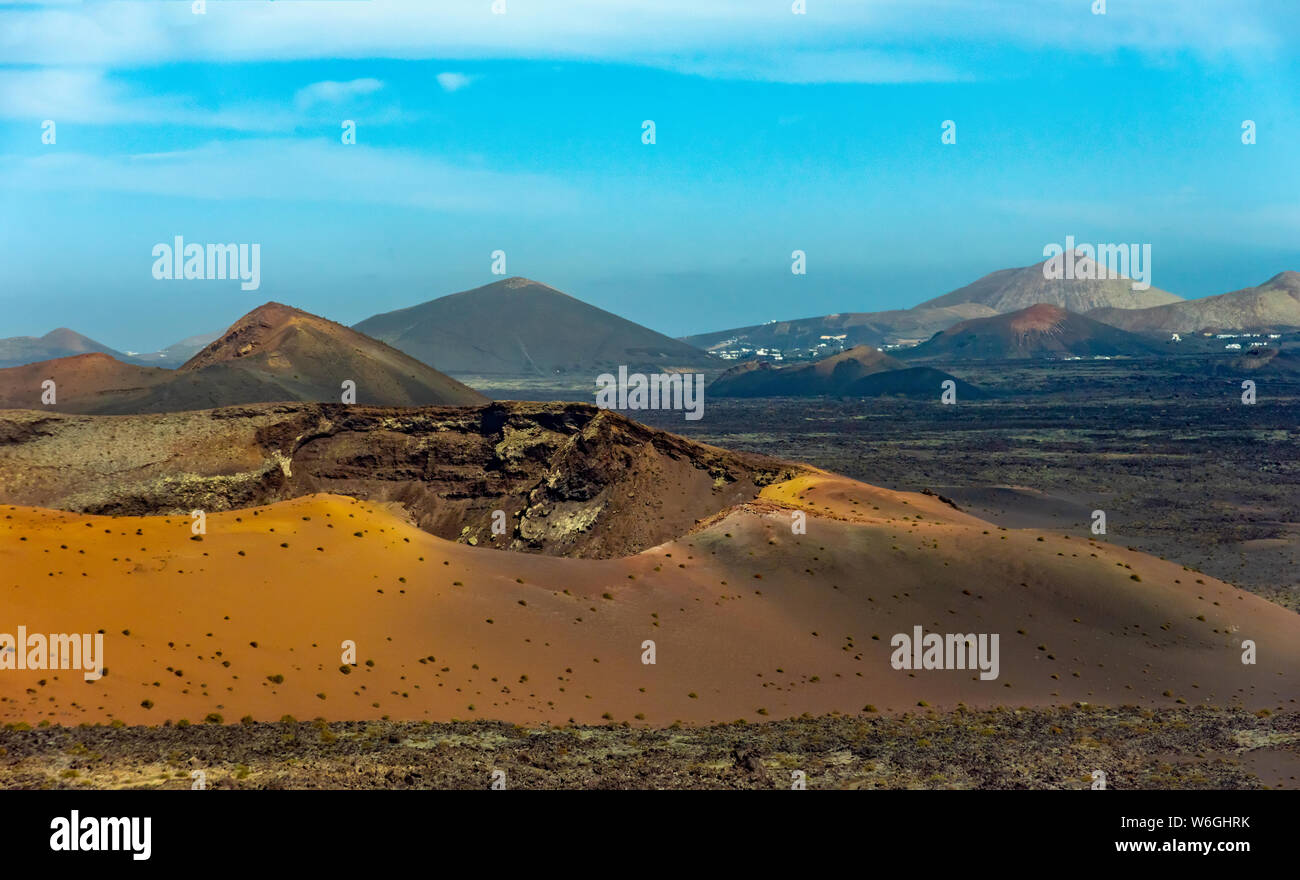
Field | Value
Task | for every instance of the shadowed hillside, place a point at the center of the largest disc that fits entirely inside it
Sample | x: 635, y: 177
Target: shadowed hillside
x: 920, y: 383
x: 859, y: 372
x: 831, y: 375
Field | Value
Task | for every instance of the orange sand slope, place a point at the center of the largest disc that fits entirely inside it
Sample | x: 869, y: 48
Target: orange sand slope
x: 748, y: 618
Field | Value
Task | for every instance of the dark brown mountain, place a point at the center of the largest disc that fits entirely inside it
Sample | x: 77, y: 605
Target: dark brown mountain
x: 1040, y: 331
x: 1273, y: 305
x: 828, y: 376
x: 273, y: 354
x: 1010, y: 290
x: 518, y: 327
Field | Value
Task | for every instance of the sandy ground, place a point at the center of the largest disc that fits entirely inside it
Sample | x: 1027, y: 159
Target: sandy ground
x: 750, y: 620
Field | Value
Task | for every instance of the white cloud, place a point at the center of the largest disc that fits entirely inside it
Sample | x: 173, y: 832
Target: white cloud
x: 818, y: 66
x: 74, y: 95
x: 89, y: 96
x: 452, y: 82
x: 331, y: 92
x: 295, y: 170
x: 80, y: 95
x: 134, y: 33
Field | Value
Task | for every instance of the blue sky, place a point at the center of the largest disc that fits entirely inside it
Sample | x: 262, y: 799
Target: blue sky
x: 522, y: 132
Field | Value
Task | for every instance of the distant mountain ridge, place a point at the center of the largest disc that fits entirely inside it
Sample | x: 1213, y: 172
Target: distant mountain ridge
x: 275, y: 353
x: 1000, y: 292
x: 18, y: 350
x: 848, y: 329
x: 1275, y: 304
x: 62, y: 342
x: 177, y: 353
x: 519, y: 327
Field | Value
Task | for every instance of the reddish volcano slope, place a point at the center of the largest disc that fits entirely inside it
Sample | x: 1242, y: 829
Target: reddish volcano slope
x: 274, y: 353
x: 309, y: 357
x: 82, y: 383
x: 1038, y: 331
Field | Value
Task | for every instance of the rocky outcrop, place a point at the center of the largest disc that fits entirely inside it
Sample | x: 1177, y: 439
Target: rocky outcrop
x: 560, y: 479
